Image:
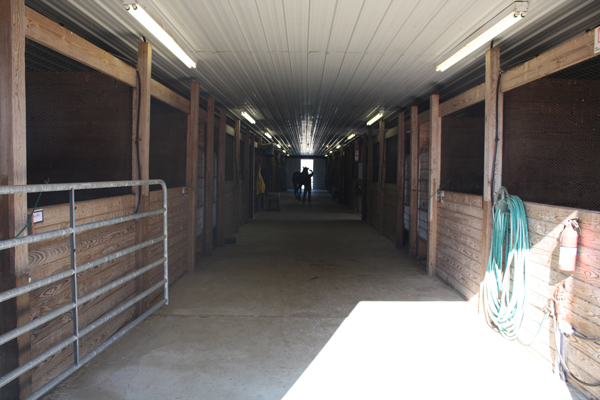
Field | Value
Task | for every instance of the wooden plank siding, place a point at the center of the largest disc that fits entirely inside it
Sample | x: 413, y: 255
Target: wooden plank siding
x: 545, y: 224
x: 49, y: 257
x: 459, y: 244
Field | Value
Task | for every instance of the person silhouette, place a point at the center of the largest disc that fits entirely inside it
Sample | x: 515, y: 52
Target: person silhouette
x: 307, y: 183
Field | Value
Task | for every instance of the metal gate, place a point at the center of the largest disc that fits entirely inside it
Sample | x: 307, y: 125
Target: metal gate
x: 75, y: 269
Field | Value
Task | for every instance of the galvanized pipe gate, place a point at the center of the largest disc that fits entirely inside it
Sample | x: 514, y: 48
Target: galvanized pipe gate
x: 72, y: 273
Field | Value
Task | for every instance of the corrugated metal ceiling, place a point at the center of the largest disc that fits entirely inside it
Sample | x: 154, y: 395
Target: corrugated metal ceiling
x: 312, y: 71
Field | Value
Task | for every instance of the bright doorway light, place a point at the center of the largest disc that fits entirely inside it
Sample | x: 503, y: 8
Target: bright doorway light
x: 308, y: 164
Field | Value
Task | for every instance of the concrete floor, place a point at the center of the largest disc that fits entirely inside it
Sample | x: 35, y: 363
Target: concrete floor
x: 251, y: 319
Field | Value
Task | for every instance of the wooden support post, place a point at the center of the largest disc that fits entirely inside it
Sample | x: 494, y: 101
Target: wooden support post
x: 220, y: 239
x: 492, y: 72
x: 435, y: 154
x: 14, y: 268
x: 414, y: 180
x: 251, y: 175
x: 142, y: 150
x: 400, y: 184
x: 370, y: 170
x: 381, y: 196
x: 237, y: 203
x: 209, y: 154
x: 192, y: 170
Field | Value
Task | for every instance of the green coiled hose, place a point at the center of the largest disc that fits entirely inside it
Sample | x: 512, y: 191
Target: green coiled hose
x: 505, y: 281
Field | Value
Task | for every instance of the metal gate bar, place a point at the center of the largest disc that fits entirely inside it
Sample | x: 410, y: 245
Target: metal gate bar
x: 75, y: 269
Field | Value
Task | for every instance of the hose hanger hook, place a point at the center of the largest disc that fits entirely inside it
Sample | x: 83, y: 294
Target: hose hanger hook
x: 501, y: 201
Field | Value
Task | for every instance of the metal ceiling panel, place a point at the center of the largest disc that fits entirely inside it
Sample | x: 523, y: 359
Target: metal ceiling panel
x: 310, y: 71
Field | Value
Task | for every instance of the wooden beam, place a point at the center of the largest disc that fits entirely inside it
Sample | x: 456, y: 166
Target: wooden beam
x: 169, y: 97
x: 221, y: 179
x: 251, y: 175
x: 463, y: 100
x: 435, y: 155
x: 237, y: 203
x: 400, y: 183
x: 143, y: 151
x: 44, y: 31
x: 492, y: 72
x: 381, y: 196
x: 191, y: 174
x: 209, y: 154
x: 414, y: 179
x: 570, y: 53
x: 499, y: 147
x: 14, y: 268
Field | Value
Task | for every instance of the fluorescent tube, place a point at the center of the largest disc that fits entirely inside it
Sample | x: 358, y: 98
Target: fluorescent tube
x: 482, y: 39
x: 142, y: 16
x: 351, y: 136
x: 248, y: 117
x: 267, y: 134
x: 374, y: 119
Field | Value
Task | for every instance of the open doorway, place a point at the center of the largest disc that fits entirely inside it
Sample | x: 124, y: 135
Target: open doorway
x: 308, y: 164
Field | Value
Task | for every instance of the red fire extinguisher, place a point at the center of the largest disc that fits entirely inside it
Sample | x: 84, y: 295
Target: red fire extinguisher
x: 568, y: 247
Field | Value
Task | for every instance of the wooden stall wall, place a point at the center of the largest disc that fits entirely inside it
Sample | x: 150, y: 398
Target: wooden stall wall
x: 178, y: 220
x: 458, y: 261
x: 50, y: 257
x: 545, y: 224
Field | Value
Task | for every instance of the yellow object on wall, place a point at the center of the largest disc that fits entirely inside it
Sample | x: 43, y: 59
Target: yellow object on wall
x: 260, y: 183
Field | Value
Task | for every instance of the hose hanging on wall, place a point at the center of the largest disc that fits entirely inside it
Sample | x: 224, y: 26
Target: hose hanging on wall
x: 505, y: 283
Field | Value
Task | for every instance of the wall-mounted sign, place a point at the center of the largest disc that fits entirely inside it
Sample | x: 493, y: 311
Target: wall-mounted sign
x: 597, y: 40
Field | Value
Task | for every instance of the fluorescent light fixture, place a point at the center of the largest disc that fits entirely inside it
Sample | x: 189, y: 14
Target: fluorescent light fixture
x: 376, y: 117
x: 330, y: 151
x: 149, y: 23
x: 248, y: 117
x: 283, y: 150
x: 338, y: 146
x: 278, y: 145
x: 267, y: 134
x: 351, y: 136
x: 516, y: 15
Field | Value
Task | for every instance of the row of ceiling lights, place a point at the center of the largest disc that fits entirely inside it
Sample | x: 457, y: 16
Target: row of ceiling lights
x: 517, y: 13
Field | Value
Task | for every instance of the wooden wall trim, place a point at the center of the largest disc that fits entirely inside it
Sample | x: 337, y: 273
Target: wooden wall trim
x: 463, y: 100
x: 391, y: 132
x: 220, y: 237
x: 492, y: 72
x: 14, y: 266
x: 400, y: 183
x: 166, y: 95
x: 192, y: 170
x: 209, y: 151
x: 414, y: 179
x: 435, y: 155
x: 381, y: 183
x: 57, y: 38
x: 570, y: 53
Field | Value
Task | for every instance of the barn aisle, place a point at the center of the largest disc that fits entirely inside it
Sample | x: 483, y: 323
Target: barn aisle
x: 252, y: 318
